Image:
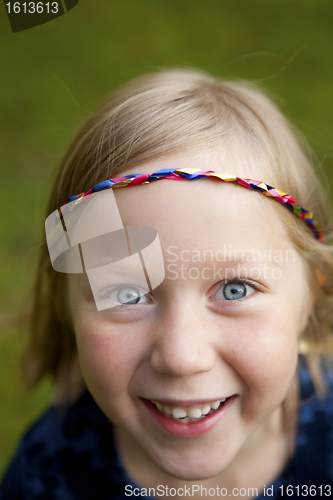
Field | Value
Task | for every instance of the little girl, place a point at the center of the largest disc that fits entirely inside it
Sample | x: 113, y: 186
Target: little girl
x: 187, y: 325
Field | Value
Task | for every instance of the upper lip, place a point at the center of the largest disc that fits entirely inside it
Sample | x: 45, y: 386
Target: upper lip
x: 188, y: 402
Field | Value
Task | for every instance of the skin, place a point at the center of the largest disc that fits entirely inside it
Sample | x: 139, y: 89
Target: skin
x: 186, y: 341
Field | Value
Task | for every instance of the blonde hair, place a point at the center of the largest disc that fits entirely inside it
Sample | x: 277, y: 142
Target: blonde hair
x: 169, y: 112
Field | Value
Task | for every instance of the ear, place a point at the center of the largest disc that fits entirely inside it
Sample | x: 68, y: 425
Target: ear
x: 320, y: 277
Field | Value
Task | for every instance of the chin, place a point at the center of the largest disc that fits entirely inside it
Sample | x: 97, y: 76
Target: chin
x: 194, y: 475
x: 192, y: 469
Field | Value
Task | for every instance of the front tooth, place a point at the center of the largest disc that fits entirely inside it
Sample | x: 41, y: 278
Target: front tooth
x: 206, y: 410
x: 194, y: 413
x: 216, y: 405
x: 178, y: 413
x: 167, y: 410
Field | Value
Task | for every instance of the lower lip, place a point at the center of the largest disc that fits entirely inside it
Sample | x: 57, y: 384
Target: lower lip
x: 192, y: 429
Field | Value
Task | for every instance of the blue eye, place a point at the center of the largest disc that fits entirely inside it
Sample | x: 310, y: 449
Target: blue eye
x: 234, y: 291
x: 128, y: 295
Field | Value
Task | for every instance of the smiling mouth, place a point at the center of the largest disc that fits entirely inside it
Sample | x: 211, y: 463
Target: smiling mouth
x: 192, y: 414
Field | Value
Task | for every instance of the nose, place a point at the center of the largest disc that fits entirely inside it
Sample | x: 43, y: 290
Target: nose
x: 183, y: 344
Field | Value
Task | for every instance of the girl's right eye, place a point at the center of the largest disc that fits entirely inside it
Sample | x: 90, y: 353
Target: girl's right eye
x: 126, y: 296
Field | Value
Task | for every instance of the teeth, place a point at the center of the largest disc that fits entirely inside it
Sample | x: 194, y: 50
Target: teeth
x: 190, y: 415
x: 206, y: 410
x: 195, y: 412
x: 179, y: 413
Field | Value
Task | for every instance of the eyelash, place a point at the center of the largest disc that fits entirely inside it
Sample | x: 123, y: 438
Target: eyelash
x: 118, y: 287
x: 222, y: 285
x: 243, y: 281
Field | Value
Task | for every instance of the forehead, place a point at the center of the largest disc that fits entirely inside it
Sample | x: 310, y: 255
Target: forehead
x: 202, y: 214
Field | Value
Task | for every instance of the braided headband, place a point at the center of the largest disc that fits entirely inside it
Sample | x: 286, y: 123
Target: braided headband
x: 194, y: 174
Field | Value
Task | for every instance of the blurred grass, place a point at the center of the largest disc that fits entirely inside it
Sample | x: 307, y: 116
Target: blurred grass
x: 53, y: 76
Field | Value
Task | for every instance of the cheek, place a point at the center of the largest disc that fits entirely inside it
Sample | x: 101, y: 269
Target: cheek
x: 264, y: 353
x: 108, y: 358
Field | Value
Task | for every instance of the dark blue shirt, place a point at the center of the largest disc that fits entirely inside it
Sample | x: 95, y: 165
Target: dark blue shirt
x: 71, y: 455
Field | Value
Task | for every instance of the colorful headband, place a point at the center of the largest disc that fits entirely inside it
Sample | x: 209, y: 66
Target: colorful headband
x: 194, y: 174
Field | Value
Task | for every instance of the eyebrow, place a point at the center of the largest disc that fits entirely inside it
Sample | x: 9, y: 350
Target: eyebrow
x: 233, y: 264
x: 247, y: 258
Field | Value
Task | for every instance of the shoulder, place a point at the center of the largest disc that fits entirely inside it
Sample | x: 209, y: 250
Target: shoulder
x: 312, y: 405
x: 313, y: 459
x: 64, y: 455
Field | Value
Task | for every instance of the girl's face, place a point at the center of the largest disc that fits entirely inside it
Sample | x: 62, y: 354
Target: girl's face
x: 223, y: 325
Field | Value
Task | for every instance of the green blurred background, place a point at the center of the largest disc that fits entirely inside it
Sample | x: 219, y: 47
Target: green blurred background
x: 54, y: 75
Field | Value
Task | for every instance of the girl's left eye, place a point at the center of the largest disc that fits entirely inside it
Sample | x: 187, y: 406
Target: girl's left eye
x: 233, y: 290
x: 127, y: 295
